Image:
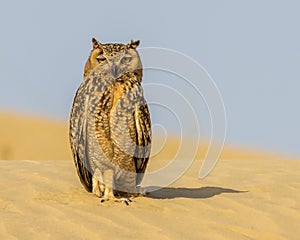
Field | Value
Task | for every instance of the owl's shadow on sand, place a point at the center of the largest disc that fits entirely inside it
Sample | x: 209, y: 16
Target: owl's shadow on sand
x: 203, y: 192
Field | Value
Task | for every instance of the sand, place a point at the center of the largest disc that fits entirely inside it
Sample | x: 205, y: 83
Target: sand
x: 256, y: 197
x: 33, y: 137
x: 250, y: 199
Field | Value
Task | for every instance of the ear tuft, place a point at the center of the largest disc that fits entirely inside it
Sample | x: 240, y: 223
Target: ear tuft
x: 96, y: 43
x: 133, y: 44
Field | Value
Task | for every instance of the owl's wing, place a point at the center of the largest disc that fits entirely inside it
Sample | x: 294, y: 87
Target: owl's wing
x: 79, y: 136
x: 141, y: 129
x: 89, y: 120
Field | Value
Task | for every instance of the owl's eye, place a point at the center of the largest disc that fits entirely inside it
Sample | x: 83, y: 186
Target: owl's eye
x: 101, y: 58
x: 126, y: 59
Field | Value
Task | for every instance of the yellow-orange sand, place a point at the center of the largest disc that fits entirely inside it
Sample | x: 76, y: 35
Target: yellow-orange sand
x: 34, y: 138
x: 255, y: 197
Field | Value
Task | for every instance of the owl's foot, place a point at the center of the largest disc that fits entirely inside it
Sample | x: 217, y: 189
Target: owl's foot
x: 119, y: 200
x: 126, y: 201
x: 98, y: 190
x: 110, y: 196
x: 98, y: 186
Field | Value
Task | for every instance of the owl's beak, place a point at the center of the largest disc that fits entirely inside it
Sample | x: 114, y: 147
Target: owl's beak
x: 114, y: 70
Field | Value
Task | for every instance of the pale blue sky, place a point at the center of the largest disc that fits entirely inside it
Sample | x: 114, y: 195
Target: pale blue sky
x: 250, y: 48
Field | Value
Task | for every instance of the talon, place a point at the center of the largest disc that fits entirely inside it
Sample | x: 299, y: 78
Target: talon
x: 119, y: 200
x: 124, y: 200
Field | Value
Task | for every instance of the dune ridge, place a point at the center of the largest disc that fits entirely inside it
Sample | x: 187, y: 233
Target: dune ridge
x: 37, y: 138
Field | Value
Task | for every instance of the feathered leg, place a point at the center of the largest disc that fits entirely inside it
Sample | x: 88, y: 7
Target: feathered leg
x: 98, y: 186
x: 108, y: 176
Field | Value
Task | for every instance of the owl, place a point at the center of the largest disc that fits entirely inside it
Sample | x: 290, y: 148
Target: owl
x: 110, y: 127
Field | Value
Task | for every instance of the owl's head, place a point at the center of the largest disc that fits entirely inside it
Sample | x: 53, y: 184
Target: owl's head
x: 115, y: 59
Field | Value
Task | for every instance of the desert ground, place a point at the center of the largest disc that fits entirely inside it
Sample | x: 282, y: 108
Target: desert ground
x: 248, y: 195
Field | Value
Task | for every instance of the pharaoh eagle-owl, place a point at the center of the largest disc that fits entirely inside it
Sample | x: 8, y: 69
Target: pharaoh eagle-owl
x: 110, y: 128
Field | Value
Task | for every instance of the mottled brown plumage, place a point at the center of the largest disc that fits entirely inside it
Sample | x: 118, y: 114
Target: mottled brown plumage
x: 110, y: 128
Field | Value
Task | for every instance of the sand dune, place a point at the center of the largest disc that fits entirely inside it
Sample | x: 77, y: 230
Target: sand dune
x: 250, y: 199
x: 248, y: 195
x: 34, y: 138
